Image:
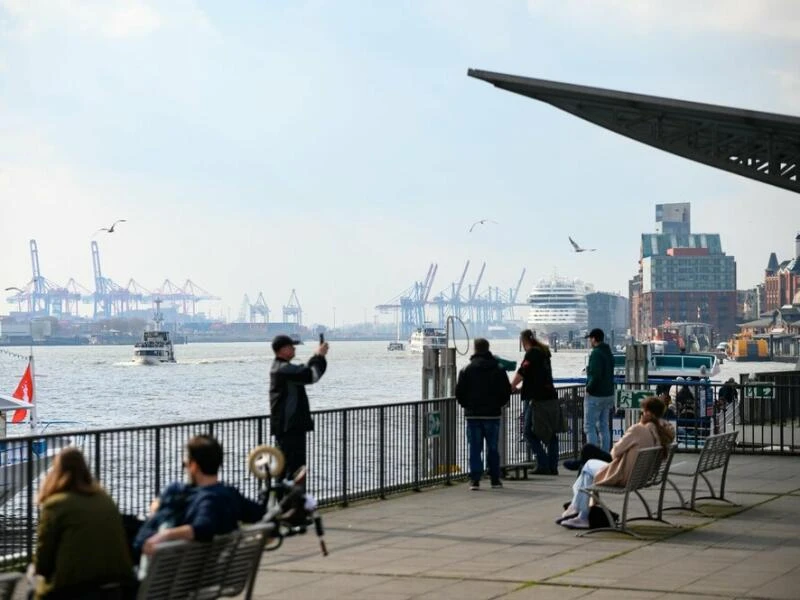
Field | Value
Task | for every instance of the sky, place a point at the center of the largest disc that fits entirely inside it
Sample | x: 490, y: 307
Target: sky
x: 339, y: 148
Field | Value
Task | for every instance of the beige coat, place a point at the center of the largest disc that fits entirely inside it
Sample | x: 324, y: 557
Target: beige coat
x: 625, y: 451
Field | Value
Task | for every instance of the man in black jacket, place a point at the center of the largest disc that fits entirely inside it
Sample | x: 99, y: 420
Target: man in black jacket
x: 290, y: 414
x: 598, y: 406
x: 482, y: 390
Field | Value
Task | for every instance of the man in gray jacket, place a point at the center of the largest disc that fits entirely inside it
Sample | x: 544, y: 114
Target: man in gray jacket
x: 599, y: 402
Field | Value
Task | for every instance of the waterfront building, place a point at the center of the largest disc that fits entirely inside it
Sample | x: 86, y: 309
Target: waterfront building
x: 682, y: 276
x: 609, y: 312
x: 674, y: 218
x: 782, y: 280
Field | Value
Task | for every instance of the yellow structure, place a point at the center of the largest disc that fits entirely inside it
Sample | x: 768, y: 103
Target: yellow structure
x: 743, y: 347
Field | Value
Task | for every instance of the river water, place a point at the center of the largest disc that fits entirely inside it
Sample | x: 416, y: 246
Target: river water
x: 100, y: 386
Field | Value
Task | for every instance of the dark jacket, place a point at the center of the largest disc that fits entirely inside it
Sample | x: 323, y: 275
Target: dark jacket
x: 80, y: 543
x: 211, y: 510
x: 288, y: 402
x: 600, y: 371
x: 483, y: 388
x: 537, y: 375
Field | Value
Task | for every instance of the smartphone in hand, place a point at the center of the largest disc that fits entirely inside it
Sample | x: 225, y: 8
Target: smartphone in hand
x: 321, y: 338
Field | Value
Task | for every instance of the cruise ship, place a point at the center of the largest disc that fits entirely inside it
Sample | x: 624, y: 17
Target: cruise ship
x: 558, y: 306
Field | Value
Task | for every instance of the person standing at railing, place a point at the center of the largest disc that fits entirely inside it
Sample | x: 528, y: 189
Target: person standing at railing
x: 483, y: 390
x: 81, y: 547
x: 290, y: 413
x: 542, y: 413
x: 599, y: 401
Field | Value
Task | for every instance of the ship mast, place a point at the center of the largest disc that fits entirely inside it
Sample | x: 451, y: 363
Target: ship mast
x: 158, y: 318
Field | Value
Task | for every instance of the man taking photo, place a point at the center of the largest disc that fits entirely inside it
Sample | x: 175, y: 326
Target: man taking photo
x: 290, y: 414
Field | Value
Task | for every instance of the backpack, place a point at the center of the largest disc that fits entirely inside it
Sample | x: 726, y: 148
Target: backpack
x: 598, y: 518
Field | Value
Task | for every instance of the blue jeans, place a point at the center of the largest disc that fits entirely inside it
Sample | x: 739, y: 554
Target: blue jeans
x: 580, y: 500
x: 479, y: 430
x: 597, y: 419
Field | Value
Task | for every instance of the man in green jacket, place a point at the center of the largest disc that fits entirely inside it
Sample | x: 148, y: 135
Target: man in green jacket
x: 599, y: 402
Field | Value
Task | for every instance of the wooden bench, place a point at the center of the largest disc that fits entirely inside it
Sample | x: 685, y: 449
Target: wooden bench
x: 645, y: 473
x: 716, y: 454
x: 224, y: 567
x: 8, y: 581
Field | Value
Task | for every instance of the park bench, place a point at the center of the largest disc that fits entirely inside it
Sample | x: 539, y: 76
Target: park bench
x: 716, y: 454
x: 645, y: 473
x: 223, y: 567
x: 8, y: 581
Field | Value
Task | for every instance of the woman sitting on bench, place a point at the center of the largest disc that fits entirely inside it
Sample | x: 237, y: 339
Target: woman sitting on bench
x: 650, y: 431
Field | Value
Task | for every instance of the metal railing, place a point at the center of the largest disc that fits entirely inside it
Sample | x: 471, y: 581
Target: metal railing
x: 354, y: 453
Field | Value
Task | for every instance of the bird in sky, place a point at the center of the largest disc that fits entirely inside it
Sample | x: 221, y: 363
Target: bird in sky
x: 110, y: 229
x: 481, y: 222
x: 578, y: 248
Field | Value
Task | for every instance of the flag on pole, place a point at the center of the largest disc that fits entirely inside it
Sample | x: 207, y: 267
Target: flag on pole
x: 23, y: 392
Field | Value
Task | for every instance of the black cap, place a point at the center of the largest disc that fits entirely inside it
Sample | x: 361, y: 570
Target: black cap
x: 597, y: 334
x: 280, y: 341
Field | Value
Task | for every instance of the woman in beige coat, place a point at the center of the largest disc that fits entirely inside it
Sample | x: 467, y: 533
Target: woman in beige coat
x: 649, y: 432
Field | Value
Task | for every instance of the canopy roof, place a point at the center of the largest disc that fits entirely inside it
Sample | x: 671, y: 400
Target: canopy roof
x: 759, y: 145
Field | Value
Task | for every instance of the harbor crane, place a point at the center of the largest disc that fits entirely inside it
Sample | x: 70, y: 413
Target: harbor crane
x: 410, y: 303
x: 259, y: 309
x: 292, y: 311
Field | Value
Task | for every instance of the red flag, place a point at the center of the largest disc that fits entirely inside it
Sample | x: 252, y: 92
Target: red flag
x: 23, y: 392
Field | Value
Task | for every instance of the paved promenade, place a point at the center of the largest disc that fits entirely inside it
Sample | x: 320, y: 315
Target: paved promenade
x: 453, y: 543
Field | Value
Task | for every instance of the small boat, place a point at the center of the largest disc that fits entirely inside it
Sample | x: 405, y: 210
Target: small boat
x: 156, y: 345
x: 395, y: 346
x: 427, y: 337
x: 670, y: 366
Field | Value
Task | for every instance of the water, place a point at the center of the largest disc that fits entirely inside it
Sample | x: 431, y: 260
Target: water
x: 100, y: 386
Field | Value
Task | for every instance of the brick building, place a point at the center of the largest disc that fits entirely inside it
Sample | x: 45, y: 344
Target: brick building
x: 782, y: 280
x: 683, y: 277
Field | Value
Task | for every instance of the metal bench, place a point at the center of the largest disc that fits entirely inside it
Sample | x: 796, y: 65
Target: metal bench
x: 645, y: 472
x: 716, y: 454
x: 224, y: 567
x: 659, y: 481
x: 8, y: 581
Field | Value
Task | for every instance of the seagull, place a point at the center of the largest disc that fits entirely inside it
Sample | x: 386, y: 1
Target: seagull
x: 110, y: 229
x: 578, y: 248
x: 481, y: 222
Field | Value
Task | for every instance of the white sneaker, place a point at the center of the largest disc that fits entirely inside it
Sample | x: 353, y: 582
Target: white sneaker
x: 575, y: 522
x: 569, y: 513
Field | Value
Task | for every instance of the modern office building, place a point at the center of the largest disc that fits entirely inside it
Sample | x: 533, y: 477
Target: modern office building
x: 609, y: 312
x: 682, y: 276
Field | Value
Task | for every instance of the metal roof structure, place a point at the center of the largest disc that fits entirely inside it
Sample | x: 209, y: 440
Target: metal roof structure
x: 759, y: 145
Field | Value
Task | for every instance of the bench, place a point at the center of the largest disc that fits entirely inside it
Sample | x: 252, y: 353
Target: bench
x: 716, y: 454
x: 645, y: 472
x: 224, y: 567
x: 8, y: 581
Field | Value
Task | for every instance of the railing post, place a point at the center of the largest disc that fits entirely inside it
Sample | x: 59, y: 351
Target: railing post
x: 446, y: 436
x: 416, y: 446
x: 344, y: 457
x: 382, y: 452
x: 29, y: 519
x: 157, y: 469
x: 97, y: 455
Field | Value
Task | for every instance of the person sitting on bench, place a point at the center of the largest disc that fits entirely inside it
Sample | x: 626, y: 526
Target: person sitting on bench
x: 649, y: 432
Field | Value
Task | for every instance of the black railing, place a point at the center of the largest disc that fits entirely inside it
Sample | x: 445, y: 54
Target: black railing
x: 354, y: 453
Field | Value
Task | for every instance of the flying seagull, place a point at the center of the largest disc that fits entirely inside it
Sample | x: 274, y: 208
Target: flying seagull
x: 110, y: 229
x: 481, y: 222
x: 578, y: 248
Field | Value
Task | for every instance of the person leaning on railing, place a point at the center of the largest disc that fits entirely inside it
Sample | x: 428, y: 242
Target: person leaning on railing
x: 649, y: 432
x: 81, y: 549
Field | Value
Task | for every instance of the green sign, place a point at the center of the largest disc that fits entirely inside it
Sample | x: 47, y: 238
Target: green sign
x: 762, y: 391
x: 434, y: 424
x: 631, y: 398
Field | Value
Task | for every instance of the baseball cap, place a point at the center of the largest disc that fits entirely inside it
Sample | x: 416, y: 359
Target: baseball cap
x: 282, y: 340
x: 597, y: 334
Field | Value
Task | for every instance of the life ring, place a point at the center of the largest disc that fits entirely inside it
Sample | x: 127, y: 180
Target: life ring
x: 266, y: 461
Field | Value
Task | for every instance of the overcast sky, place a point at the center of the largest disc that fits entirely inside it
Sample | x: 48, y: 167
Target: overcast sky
x: 339, y: 148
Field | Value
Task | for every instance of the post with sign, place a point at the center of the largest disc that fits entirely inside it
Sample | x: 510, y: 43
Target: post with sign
x: 438, y: 383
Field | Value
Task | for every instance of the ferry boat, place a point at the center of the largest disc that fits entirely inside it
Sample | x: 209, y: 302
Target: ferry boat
x: 672, y: 366
x: 427, y: 337
x: 558, y: 307
x: 156, y: 345
x: 393, y: 346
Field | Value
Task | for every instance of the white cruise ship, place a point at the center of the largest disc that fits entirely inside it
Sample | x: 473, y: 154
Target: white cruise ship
x: 558, y: 305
